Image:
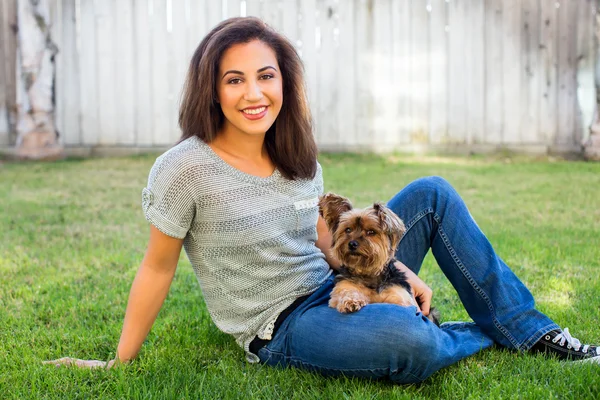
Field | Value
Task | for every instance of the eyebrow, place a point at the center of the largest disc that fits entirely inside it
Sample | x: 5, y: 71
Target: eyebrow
x: 233, y: 71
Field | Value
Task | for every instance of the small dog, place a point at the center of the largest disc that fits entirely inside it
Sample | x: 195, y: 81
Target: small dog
x: 364, y: 241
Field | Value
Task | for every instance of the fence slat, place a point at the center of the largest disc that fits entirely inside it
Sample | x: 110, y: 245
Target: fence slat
x: 586, y: 93
x: 457, y: 99
x: 475, y: 71
x: 179, y: 61
x: 438, y: 58
x: 123, y: 72
x: 308, y: 51
x: 420, y: 72
x: 512, y: 69
x: 494, y: 78
x: 365, y: 112
x: 548, y: 72
x: 530, y: 86
x: 89, y: 76
x: 142, y: 79
x: 401, y: 69
x: 328, y: 68
x: 346, y: 79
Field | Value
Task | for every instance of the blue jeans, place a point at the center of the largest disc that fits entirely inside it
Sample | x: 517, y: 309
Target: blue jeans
x: 388, y: 341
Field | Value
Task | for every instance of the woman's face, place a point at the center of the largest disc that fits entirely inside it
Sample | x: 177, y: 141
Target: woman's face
x: 249, y: 88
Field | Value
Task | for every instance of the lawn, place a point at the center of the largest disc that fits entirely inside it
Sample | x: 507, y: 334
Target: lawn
x: 73, y: 234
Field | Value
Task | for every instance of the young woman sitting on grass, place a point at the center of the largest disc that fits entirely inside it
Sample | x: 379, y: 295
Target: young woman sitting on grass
x: 239, y: 192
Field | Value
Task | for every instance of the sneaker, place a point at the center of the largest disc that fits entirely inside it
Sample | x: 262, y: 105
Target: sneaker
x: 566, y: 347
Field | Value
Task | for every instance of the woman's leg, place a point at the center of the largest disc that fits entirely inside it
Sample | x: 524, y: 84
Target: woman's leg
x: 437, y: 218
x: 378, y: 341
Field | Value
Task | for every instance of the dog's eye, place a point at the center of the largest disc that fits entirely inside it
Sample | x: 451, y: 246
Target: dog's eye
x: 348, y: 230
x: 370, y: 232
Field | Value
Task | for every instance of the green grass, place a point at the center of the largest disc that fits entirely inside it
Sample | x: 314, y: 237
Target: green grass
x: 73, y: 234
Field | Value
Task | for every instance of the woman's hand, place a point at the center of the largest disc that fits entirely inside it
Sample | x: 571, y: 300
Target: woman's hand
x: 421, y: 292
x: 68, y: 361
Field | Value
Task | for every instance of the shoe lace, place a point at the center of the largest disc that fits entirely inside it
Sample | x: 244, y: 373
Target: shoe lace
x: 565, y: 337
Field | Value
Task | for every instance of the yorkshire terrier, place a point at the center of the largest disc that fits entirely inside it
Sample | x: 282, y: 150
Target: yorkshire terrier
x: 364, y: 241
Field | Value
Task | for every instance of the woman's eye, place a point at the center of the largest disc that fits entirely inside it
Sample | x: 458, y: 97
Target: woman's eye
x: 348, y: 230
x: 370, y: 232
x: 266, y: 76
x: 234, y: 81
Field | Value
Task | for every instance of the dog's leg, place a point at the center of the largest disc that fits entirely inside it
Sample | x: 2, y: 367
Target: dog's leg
x: 396, y: 295
x: 347, y: 297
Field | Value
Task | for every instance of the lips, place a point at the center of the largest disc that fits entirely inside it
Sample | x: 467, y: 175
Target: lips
x: 255, y: 113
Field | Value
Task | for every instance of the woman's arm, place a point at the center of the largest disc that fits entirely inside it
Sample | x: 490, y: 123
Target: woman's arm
x: 324, y: 243
x: 146, y: 297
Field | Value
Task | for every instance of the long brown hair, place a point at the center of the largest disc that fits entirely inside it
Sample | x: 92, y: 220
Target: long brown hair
x: 289, y: 141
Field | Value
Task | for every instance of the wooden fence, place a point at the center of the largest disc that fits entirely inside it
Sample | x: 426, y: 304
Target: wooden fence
x: 381, y: 74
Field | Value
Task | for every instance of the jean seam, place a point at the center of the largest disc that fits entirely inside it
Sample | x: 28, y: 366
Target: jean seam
x: 474, y: 284
x: 416, y: 219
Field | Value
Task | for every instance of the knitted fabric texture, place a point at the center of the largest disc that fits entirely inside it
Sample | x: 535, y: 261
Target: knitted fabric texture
x: 250, y: 240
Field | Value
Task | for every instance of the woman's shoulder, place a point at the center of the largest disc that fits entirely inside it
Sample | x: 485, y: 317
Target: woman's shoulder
x: 187, y: 152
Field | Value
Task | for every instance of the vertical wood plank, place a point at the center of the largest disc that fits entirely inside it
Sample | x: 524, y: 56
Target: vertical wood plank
x: 272, y: 13
x: 105, y: 61
x: 384, y: 96
x: 586, y: 93
x: 142, y: 80
x: 214, y: 12
x: 123, y: 72
x: 328, y: 68
x: 530, y: 79
x: 457, y: 99
x: 474, y: 71
x: 438, y: 88
x: 289, y: 20
x: 197, y: 25
x: 346, y: 78
x: 365, y: 102
x: 420, y: 72
x: 179, y: 63
x: 308, y: 50
x: 494, y: 79
x: 233, y: 8
x: 8, y: 71
x: 161, y: 99
x: 401, y: 69
x: 512, y: 68
x: 254, y: 8
x: 67, y: 76
x: 567, y: 67
x: 548, y: 72
x: 89, y: 75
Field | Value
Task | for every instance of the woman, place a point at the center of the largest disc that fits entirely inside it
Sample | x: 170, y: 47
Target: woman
x: 240, y: 191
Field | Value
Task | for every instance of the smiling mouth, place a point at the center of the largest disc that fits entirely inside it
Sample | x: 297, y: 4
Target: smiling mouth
x: 254, y: 111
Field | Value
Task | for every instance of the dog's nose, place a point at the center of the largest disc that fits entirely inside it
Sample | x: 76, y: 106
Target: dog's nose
x: 352, y: 245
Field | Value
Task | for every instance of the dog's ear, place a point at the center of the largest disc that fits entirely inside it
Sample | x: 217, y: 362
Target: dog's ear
x: 331, y: 206
x: 390, y: 223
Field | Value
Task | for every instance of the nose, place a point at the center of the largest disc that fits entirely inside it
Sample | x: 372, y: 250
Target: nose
x: 352, y: 245
x: 253, y: 92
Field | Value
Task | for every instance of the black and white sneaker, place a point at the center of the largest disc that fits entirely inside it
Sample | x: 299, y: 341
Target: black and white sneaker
x: 566, y: 347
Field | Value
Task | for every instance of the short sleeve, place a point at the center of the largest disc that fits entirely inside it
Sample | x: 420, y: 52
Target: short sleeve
x: 167, y: 202
x: 318, y: 180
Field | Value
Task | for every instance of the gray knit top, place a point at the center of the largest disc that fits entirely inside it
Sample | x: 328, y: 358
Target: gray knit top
x: 250, y: 240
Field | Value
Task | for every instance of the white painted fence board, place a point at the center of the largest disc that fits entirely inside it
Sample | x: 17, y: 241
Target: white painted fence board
x: 233, y: 8
x: 548, y: 72
x: 512, y: 69
x: 586, y: 93
x: 123, y: 71
x: 254, y: 8
x: 401, y: 69
x: 365, y: 101
x: 494, y: 78
x: 438, y: 85
x: 475, y: 71
x: 89, y: 76
x: 530, y: 79
x: 567, y: 67
x: 272, y: 13
x: 179, y: 63
x: 329, y: 67
x: 457, y: 117
x: 162, y: 99
x: 142, y: 79
x: 308, y: 51
x: 106, y: 68
x: 420, y: 72
x: 67, y: 75
x: 346, y: 79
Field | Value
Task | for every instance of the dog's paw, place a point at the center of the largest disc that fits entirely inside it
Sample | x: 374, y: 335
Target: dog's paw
x: 350, y: 305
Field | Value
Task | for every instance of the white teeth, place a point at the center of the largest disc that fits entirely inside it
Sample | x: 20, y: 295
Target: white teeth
x: 254, y: 111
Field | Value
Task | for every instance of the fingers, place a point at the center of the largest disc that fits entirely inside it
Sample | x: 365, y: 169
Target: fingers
x: 68, y: 361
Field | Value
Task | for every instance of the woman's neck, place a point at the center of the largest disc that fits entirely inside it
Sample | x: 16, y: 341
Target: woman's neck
x: 247, y: 153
